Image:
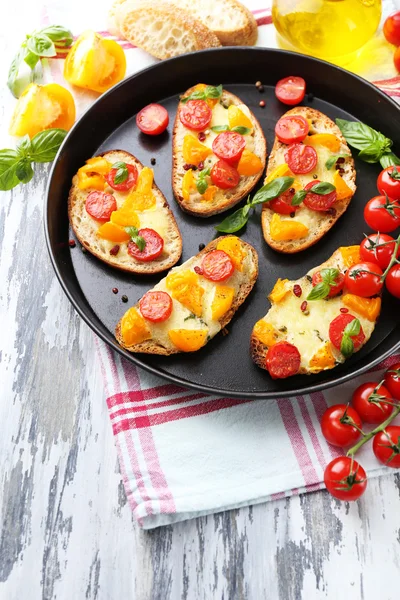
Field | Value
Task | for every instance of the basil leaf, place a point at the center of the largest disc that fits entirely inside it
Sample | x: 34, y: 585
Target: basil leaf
x: 242, y: 130
x: 8, y: 167
x: 58, y: 34
x: 347, y: 346
x: 330, y: 275
x: 371, y: 154
x: 319, y: 291
x: 24, y: 147
x: 219, y: 128
x: 235, y: 221
x: 272, y: 190
x: 388, y: 159
x: 394, y: 174
x: 24, y: 170
x: 322, y: 188
x: 122, y: 172
x: 137, y: 239
x: 31, y: 59
x: 201, y: 185
x: 18, y: 77
x: 299, y: 197
x: 353, y: 328
x: 361, y: 136
x: 45, y: 144
x: 41, y: 45
x: 332, y: 160
x: 213, y: 92
x: 197, y: 95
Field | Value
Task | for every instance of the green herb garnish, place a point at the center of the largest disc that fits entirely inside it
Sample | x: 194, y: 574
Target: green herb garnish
x: 322, y: 289
x: 373, y: 145
x: 136, y: 238
x: 352, y: 329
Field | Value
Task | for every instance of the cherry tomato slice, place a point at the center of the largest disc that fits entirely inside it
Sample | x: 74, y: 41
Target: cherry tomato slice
x: 337, y: 327
x: 336, y: 430
x: 291, y: 130
x: 229, y: 146
x: 217, y: 266
x: 290, y: 90
x: 396, y: 59
x: 388, y: 184
x: 369, y: 401
x: 392, y: 380
x: 224, y: 175
x: 301, y: 159
x: 195, y: 115
x: 391, y: 29
x: 100, y: 205
x: 380, y: 218
x: 317, y: 201
x: 153, y: 248
x: 153, y: 119
x: 335, y: 289
x: 386, y: 446
x: 129, y: 182
x: 283, y: 203
x: 156, y: 306
x: 371, y: 251
x: 345, y: 479
x: 282, y: 360
x: 393, y: 281
x: 364, y: 279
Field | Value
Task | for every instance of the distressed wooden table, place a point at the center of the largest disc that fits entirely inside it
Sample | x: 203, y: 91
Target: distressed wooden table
x: 66, y: 529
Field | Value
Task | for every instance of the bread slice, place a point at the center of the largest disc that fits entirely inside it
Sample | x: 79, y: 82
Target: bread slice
x: 223, y: 199
x: 321, y: 222
x: 229, y: 20
x: 308, y: 329
x: 244, y: 283
x: 85, y: 227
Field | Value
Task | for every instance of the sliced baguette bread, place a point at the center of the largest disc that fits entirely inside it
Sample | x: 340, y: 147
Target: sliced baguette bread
x: 307, y: 326
x: 182, y: 318
x: 85, y: 227
x: 229, y: 20
x: 222, y: 199
x: 318, y: 223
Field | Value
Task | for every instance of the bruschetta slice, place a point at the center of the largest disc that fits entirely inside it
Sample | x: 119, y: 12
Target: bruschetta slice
x: 194, y: 302
x: 300, y: 336
x: 219, y: 151
x: 311, y: 148
x: 118, y: 214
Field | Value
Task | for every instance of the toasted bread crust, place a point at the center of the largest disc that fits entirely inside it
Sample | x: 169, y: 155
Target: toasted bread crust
x: 172, y: 245
x: 224, y: 199
x: 149, y: 347
x: 293, y: 246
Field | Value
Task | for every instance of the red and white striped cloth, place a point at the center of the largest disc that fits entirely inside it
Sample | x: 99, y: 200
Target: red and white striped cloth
x: 182, y: 453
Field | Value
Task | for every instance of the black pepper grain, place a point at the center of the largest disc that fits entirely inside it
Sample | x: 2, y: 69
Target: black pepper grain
x: 261, y: 89
x: 340, y: 160
x: 202, y: 246
x: 153, y: 161
x: 292, y: 214
x: 83, y: 249
x: 310, y: 96
x: 315, y: 176
x: 124, y: 298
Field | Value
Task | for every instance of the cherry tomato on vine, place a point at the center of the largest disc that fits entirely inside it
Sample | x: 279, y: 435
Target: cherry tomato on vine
x: 369, y: 402
x: 364, y: 279
x: 391, y: 29
x: 345, y: 478
x: 290, y: 90
x: 381, y: 214
x: 392, y: 380
x: 371, y: 249
x: 389, y: 182
x: 386, y: 446
x: 337, y: 427
x: 393, y: 281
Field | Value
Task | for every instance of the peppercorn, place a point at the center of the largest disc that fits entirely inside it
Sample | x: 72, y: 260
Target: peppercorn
x: 310, y: 96
x: 262, y: 103
x: 115, y: 290
x: 114, y: 250
x: 202, y: 246
x: 340, y: 160
x: 153, y: 161
x: 83, y: 249
x: 297, y: 291
x: 72, y: 243
x: 292, y: 214
x: 201, y: 136
x: 315, y: 176
x: 258, y: 83
x: 261, y: 89
x: 124, y: 298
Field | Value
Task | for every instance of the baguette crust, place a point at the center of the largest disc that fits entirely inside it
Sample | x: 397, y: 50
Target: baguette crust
x: 87, y: 235
x: 323, y: 125
x: 223, y: 199
x: 149, y: 347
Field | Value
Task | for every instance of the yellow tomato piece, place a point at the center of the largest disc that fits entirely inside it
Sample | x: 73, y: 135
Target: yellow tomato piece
x: 342, y: 189
x: 249, y: 163
x: 351, y: 255
x: 185, y: 289
x: 134, y: 329
x: 145, y: 180
x: 366, y: 307
x: 42, y: 107
x: 91, y: 175
x: 329, y: 140
x: 237, y: 118
x: 323, y: 358
x: 113, y: 233
x: 188, y: 183
x: 94, y: 63
x: 97, y: 164
x: 209, y: 194
x: 93, y: 182
x: 177, y: 278
x: 188, y: 340
x: 283, y: 231
x: 194, y: 152
x: 234, y: 249
x: 265, y: 332
x: 222, y: 301
x: 279, y: 291
x: 281, y: 171
x: 142, y: 198
x: 125, y: 218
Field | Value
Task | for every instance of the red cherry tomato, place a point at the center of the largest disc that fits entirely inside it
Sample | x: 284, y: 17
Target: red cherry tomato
x: 126, y: 185
x: 283, y: 203
x: 153, y: 119
x: 282, y: 360
x: 364, y: 279
x: 217, y: 266
x: 337, y: 425
x: 392, y: 380
x: 100, y: 205
x: 290, y: 90
x: 345, y: 478
x: 224, y: 175
x: 337, y: 327
x: 380, y: 218
x: 396, y: 60
x: 229, y: 146
x: 156, y: 306
x: 391, y: 29
x: 389, y: 185
x: 301, y: 159
x: 379, y: 255
x: 369, y: 401
x: 291, y: 130
x: 153, y: 248
x: 335, y: 289
x: 386, y: 446
x: 318, y: 201
x: 195, y: 115
x: 393, y: 281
